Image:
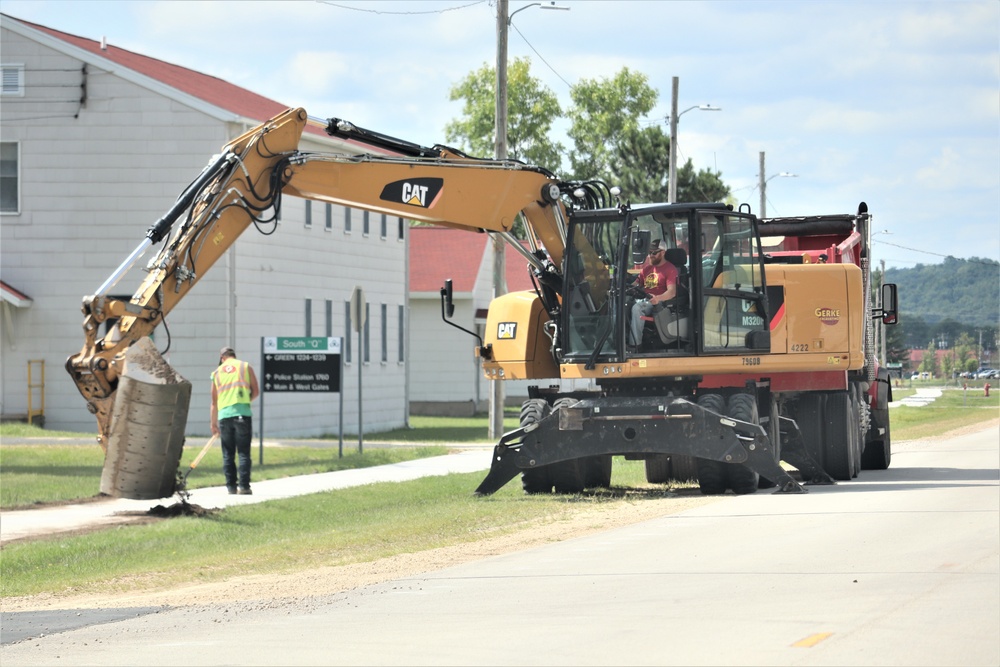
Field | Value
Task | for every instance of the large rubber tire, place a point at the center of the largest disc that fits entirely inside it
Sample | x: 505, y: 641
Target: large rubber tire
x: 658, y: 469
x: 858, y: 437
x: 878, y: 453
x: 807, y: 412
x: 774, y: 435
x: 712, y: 479
x: 838, y: 441
x: 597, y: 472
x: 568, y: 476
x: 742, y: 479
x: 536, y: 480
x: 683, y: 468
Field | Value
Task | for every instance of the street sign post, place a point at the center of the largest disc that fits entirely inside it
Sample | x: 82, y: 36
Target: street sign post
x: 300, y: 364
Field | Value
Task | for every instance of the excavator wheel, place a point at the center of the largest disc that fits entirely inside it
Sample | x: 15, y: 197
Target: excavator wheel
x: 658, y: 469
x: 774, y: 435
x: 569, y: 476
x: 712, y: 474
x: 683, y: 468
x: 536, y: 480
x: 597, y: 472
x: 742, y: 479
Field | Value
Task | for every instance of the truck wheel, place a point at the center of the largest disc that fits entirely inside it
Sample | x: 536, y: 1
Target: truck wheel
x: 838, y: 443
x: 808, y: 414
x: 857, y: 436
x: 536, y: 480
x: 878, y: 453
x: 658, y: 469
x: 742, y: 479
x: 712, y: 474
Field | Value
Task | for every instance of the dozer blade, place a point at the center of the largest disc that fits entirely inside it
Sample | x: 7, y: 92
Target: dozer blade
x: 148, y: 420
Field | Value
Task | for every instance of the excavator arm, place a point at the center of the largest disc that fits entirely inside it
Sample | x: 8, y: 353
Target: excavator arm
x: 243, y: 185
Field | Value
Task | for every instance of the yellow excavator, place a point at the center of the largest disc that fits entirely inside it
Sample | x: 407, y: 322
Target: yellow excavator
x: 764, y: 354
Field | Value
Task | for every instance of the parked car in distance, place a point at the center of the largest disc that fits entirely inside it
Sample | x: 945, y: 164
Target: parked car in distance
x: 987, y: 373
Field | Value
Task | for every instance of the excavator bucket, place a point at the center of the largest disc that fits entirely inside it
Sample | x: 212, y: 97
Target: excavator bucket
x: 148, y: 420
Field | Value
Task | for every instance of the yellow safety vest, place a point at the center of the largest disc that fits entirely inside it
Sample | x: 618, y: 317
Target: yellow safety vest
x: 232, y: 388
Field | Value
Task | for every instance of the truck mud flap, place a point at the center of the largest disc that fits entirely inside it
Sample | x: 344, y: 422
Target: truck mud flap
x: 795, y: 453
x: 148, y: 420
x: 618, y: 426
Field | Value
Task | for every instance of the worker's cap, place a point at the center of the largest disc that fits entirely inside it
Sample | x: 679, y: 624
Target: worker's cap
x: 656, y: 246
x: 227, y: 352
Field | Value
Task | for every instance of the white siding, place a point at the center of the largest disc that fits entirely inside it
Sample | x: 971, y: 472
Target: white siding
x: 92, y: 184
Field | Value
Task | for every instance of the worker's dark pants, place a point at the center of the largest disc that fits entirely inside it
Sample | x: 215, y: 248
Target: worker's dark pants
x: 236, y: 434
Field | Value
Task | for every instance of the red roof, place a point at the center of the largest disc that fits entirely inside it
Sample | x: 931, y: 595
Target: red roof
x: 213, y: 90
x: 440, y: 253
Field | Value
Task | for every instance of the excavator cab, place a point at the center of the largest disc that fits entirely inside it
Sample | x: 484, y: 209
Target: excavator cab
x: 720, y: 303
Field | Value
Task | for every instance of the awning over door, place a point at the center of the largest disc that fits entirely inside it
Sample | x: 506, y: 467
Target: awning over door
x: 14, y: 297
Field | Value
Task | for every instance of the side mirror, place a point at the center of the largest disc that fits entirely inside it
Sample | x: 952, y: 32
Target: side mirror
x: 641, y: 238
x: 890, y: 304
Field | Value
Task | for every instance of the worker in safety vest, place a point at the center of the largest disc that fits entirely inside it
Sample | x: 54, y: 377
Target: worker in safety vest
x: 234, y: 387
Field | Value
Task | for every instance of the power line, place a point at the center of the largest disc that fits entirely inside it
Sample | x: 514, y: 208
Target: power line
x: 379, y: 11
x: 568, y: 84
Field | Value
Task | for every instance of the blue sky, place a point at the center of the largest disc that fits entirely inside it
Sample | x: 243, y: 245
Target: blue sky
x: 894, y: 103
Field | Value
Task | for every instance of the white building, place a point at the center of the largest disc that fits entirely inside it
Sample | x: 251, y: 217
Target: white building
x: 96, y: 144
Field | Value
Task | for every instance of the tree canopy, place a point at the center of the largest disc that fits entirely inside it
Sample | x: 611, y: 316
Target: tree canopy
x: 531, y: 109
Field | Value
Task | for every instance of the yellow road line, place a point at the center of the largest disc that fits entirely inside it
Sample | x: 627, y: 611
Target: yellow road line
x: 812, y: 640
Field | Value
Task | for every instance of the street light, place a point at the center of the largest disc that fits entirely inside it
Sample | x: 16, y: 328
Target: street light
x: 500, y: 147
x: 763, y: 184
x: 674, y: 118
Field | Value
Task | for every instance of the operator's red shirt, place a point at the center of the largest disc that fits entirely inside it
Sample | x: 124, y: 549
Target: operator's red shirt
x: 656, y: 279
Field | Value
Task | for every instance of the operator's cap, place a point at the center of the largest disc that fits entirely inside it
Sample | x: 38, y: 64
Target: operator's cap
x: 227, y: 351
x: 656, y: 245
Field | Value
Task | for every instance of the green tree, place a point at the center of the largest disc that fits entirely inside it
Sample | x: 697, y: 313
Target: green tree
x: 531, y: 109
x: 603, y: 111
x: 639, y: 165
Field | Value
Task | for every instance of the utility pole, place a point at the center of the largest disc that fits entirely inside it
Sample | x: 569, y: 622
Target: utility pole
x: 672, y: 176
x: 763, y: 184
x: 497, y: 394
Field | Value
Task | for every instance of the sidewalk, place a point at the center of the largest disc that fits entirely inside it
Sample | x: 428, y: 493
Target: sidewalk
x: 921, y: 398
x: 20, y: 524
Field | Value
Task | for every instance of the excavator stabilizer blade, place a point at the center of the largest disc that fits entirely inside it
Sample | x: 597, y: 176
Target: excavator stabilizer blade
x: 148, y: 420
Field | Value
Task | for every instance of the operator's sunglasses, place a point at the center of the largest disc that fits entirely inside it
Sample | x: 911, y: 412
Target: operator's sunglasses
x: 656, y: 252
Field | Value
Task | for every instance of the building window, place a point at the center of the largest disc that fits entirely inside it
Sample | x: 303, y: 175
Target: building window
x: 329, y: 318
x: 400, y: 357
x: 347, y: 219
x: 385, y: 330
x: 402, y: 230
x: 347, y: 332
x: 366, y: 353
x: 10, y: 180
x: 309, y: 317
x: 384, y: 229
x: 329, y: 217
x: 13, y: 80
x: 309, y: 213
x: 366, y: 226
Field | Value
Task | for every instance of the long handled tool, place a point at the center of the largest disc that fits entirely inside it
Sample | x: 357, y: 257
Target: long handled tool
x: 182, y: 487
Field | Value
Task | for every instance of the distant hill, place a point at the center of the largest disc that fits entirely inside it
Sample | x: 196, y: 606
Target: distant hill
x: 964, y: 290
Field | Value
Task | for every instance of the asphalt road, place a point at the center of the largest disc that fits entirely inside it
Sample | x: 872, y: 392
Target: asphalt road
x: 899, y: 568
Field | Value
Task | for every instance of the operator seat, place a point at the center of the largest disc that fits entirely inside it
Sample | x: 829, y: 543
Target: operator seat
x: 672, y: 317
